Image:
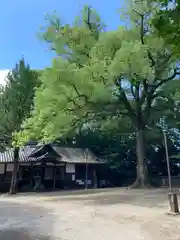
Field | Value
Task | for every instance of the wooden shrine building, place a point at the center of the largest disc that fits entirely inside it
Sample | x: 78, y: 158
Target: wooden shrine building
x: 48, y: 167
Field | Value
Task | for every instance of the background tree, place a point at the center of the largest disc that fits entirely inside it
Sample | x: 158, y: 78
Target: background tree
x: 167, y: 22
x: 15, y: 106
x: 109, y: 75
x: 117, y: 147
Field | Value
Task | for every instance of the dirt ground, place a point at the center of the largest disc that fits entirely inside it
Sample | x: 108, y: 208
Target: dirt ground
x: 100, y: 215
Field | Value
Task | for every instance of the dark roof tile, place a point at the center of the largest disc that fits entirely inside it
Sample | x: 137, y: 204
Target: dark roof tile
x: 68, y: 155
x: 75, y: 155
x: 24, y: 153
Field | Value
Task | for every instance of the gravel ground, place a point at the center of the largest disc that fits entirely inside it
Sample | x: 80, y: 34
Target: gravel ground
x: 103, y: 215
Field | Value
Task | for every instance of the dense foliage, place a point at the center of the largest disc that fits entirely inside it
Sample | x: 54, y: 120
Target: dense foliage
x: 104, y: 76
x: 112, y: 91
x: 16, y: 99
x: 167, y: 22
x: 16, y: 102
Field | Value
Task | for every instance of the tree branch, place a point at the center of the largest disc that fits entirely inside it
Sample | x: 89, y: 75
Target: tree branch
x: 137, y: 94
x: 149, y: 100
x: 132, y: 91
x: 88, y: 19
x: 163, y: 81
x: 151, y: 96
x: 153, y: 62
x: 144, y: 91
x: 125, y: 100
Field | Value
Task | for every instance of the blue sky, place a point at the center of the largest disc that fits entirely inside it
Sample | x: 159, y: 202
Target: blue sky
x: 20, y: 21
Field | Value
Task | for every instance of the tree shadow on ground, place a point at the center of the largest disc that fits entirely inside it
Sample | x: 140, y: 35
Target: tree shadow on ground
x: 21, y: 234
x: 25, y: 222
x: 145, y: 198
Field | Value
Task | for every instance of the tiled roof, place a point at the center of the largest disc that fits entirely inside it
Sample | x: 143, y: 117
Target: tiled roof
x: 24, y: 152
x: 75, y: 155
x: 68, y: 155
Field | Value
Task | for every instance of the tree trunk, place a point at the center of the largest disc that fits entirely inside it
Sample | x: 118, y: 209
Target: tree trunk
x: 13, y: 186
x: 142, y: 180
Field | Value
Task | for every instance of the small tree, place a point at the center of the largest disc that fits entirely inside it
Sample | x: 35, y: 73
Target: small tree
x: 16, y: 102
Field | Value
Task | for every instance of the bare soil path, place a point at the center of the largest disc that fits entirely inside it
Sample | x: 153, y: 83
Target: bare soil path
x: 86, y: 215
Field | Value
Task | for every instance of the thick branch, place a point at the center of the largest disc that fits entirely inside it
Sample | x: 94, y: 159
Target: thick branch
x: 75, y: 105
x: 142, y: 38
x: 88, y: 19
x: 144, y: 91
x: 95, y: 114
x: 125, y: 100
x: 133, y: 92
x: 137, y: 93
x: 74, y: 100
x: 149, y: 100
x: 75, y: 89
x: 163, y: 81
x: 105, y: 108
x: 151, y: 95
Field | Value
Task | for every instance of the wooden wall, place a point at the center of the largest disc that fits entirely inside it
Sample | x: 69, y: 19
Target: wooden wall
x: 66, y: 175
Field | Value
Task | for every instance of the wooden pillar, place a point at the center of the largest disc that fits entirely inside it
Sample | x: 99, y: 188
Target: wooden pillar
x: 32, y: 173
x: 5, y: 169
x: 43, y: 169
x: 86, y: 175
x: 3, y: 176
x: 18, y: 175
x: 95, y: 178
x: 54, y: 176
x: 63, y: 176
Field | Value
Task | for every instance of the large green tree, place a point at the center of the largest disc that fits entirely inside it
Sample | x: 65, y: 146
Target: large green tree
x: 103, y: 75
x: 15, y: 106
